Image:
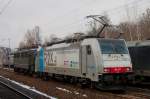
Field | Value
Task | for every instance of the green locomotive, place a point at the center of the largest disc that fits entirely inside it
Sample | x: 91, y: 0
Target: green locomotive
x: 24, y: 61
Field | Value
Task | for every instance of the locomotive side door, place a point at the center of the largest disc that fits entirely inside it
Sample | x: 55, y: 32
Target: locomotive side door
x: 91, y: 66
x: 88, y: 63
x: 83, y: 60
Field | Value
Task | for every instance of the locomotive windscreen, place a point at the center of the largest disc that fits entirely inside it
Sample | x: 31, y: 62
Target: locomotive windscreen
x: 113, y: 47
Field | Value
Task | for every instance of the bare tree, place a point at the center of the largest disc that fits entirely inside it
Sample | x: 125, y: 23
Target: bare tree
x: 138, y: 30
x: 54, y: 38
x: 51, y: 39
x: 22, y: 44
x: 31, y: 39
x: 144, y: 25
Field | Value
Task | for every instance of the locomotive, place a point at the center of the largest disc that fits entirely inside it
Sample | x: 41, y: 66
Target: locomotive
x: 140, y: 52
x: 102, y: 63
x: 4, y: 56
x: 24, y: 60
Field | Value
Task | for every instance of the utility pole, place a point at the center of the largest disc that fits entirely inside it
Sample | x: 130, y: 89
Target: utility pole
x: 129, y: 26
x: 9, y: 53
x: 37, y: 31
x: 9, y: 49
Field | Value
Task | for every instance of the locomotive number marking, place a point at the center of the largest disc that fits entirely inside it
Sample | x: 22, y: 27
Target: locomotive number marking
x: 49, y: 58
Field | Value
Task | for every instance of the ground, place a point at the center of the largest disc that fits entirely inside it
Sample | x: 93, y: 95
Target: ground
x: 61, y: 90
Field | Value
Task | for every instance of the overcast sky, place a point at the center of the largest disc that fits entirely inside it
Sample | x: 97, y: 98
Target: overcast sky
x: 59, y: 17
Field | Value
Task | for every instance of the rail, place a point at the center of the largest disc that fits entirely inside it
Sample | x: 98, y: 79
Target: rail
x: 15, y: 90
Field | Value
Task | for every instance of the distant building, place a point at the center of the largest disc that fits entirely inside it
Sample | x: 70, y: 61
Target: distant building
x: 4, y: 56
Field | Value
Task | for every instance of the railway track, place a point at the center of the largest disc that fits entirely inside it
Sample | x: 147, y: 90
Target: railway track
x: 135, y: 93
x: 8, y: 92
x: 62, y: 89
x: 139, y: 92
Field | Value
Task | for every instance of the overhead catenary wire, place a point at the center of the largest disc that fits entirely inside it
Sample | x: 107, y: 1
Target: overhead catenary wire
x: 68, y: 26
x: 72, y: 11
x: 114, y: 11
x: 1, y: 2
x: 78, y: 10
x: 111, y: 11
x: 122, y: 10
x: 5, y: 6
x: 119, y: 8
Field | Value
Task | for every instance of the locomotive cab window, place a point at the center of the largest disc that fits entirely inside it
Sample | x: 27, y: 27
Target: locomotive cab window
x: 88, y: 48
x: 113, y: 47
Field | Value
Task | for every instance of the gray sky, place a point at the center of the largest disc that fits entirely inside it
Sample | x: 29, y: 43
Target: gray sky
x: 60, y: 17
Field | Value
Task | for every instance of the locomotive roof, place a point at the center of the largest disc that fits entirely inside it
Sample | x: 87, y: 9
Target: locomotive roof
x: 73, y: 44
x: 25, y: 50
x: 62, y: 45
x: 138, y: 43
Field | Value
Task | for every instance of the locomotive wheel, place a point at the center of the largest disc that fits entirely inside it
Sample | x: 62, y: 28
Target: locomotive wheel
x: 73, y: 80
x: 45, y: 77
x: 15, y: 69
x: 67, y: 79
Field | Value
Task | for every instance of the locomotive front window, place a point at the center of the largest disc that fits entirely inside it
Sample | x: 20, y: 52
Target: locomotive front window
x: 113, y: 47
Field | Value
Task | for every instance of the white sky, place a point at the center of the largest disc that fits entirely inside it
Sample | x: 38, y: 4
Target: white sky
x: 60, y: 17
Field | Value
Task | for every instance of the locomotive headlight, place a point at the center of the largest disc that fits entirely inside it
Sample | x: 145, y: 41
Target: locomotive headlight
x: 117, y: 69
x: 105, y: 70
x: 128, y: 69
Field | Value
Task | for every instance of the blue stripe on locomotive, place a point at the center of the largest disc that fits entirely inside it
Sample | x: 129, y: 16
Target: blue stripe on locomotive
x: 41, y: 60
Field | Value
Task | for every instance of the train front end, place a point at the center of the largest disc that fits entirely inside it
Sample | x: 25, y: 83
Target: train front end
x: 116, y: 63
